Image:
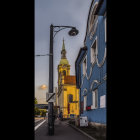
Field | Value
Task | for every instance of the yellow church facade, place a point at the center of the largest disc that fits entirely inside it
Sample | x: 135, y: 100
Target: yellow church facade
x: 68, y: 94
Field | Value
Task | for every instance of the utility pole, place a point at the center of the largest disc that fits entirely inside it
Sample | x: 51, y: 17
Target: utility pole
x: 50, y: 104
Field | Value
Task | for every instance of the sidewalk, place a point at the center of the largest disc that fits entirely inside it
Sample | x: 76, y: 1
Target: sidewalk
x: 62, y: 132
x: 92, y: 132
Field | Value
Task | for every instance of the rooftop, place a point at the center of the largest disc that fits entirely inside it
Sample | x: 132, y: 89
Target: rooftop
x: 70, y: 80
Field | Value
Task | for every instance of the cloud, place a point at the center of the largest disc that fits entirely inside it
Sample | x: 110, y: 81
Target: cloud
x: 58, y: 12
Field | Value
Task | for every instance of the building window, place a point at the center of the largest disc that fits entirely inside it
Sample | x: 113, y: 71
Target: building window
x: 93, y: 30
x: 70, y: 98
x: 103, y: 101
x: 65, y: 89
x: 81, y: 108
x: 94, y: 99
x: 93, y: 17
x: 84, y: 66
x: 105, y: 30
x: 85, y: 102
x: 93, y: 51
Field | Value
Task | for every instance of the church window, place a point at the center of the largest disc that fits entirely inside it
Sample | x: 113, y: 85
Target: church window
x: 64, y: 72
x: 65, y: 89
x: 70, y: 98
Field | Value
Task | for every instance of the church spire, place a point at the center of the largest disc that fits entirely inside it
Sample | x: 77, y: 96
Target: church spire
x: 63, y: 55
x: 63, y: 46
x: 63, y: 51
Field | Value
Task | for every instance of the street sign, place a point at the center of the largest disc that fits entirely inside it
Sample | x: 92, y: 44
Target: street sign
x: 50, y: 97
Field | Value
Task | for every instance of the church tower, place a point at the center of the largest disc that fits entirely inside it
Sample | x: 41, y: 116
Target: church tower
x: 68, y: 94
x: 63, y: 67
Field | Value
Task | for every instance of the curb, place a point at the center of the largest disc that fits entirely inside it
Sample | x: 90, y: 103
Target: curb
x: 82, y: 132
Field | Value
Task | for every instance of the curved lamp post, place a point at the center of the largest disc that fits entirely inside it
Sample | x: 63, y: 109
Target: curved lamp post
x: 53, y: 31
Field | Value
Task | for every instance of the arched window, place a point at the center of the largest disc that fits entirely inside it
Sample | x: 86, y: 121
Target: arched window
x: 92, y: 17
x: 64, y: 72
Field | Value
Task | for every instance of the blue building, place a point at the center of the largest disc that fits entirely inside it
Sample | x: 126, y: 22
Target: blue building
x: 90, y: 66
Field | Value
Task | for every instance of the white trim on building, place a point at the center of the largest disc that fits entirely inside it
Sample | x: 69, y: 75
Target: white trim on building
x: 105, y: 30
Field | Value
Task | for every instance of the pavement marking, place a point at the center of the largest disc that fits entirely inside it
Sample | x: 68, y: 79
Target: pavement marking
x: 39, y: 124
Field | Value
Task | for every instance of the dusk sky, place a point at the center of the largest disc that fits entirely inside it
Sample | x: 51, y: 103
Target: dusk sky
x: 57, y: 12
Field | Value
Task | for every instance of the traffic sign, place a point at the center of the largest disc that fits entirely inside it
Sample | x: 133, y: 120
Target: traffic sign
x: 50, y: 97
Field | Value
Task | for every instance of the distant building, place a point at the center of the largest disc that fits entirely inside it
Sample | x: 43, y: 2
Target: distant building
x: 91, y: 66
x: 42, y: 106
x: 68, y: 94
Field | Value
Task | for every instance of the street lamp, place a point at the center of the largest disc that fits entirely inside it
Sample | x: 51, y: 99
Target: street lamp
x: 72, y: 32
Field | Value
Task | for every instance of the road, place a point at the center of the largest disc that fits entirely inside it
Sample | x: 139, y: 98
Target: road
x: 38, y: 121
x: 62, y: 132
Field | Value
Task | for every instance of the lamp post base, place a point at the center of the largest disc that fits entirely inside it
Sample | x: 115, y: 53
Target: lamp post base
x: 51, y: 129
x: 50, y: 119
